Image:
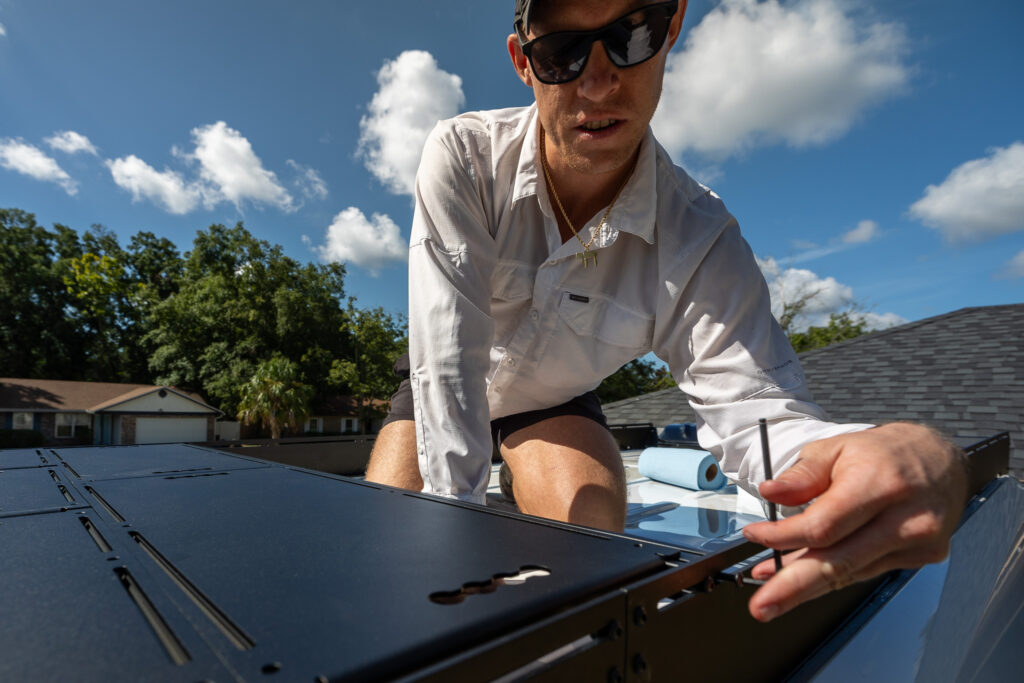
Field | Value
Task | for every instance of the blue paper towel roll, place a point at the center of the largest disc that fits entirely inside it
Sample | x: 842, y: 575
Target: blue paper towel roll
x: 689, y: 468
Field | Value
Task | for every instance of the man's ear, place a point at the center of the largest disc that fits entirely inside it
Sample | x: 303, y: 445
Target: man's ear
x: 676, y: 26
x: 519, y: 60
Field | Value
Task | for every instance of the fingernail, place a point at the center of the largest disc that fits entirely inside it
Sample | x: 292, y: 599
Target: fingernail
x: 769, y: 612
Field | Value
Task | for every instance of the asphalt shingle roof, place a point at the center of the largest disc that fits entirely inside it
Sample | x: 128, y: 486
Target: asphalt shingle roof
x: 51, y: 395
x: 962, y: 373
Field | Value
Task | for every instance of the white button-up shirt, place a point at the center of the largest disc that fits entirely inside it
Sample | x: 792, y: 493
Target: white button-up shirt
x: 504, y: 318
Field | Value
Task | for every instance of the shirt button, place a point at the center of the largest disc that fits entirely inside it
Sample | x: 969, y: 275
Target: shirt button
x: 511, y: 362
x: 534, y: 314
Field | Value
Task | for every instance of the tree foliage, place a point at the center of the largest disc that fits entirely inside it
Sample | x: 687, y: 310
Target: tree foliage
x: 83, y: 307
x: 633, y: 379
x: 378, y: 339
x: 275, y: 397
x: 242, y: 301
x: 69, y: 303
x: 840, y: 327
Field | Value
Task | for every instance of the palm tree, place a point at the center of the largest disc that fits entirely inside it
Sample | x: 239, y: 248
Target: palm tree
x: 275, y: 397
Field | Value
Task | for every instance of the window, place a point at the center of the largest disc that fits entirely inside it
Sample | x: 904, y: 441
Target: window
x: 71, y: 424
x: 22, y: 421
x: 314, y: 424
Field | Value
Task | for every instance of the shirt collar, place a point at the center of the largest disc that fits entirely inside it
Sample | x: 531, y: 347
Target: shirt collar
x: 636, y: 208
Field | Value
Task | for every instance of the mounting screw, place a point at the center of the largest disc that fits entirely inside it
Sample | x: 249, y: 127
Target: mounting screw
x: 614, y: 630
x: 640, y: 665
x: 639, y: 615
x: 614, y: 676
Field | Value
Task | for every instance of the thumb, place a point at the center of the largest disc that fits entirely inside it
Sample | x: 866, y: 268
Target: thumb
x: 806, y: 479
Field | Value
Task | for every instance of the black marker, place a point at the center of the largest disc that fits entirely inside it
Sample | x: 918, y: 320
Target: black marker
x: 766, y: 454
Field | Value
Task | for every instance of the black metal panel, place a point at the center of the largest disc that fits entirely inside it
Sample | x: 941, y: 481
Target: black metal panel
x: 104, y: 462
x: 987, y: 459
x: 68, y: 616
x: 548, y: 650
x: 708, y: 635
x: 334, y: 578
x: 37, y: 489
x: 26, y: 457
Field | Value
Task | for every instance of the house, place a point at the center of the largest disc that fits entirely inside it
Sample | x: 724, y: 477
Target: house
x: 67, y: 413
x: 962, y: 373
x: 339, y: 414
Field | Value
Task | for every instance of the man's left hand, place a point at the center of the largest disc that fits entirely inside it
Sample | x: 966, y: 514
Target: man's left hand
x: 886, y: 498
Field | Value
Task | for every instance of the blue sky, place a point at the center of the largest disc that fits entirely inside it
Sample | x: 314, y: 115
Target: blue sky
x: 872, y: 151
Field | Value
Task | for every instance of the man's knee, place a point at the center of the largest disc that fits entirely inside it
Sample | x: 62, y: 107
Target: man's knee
x: 394, y: 461
x: 568, y: 468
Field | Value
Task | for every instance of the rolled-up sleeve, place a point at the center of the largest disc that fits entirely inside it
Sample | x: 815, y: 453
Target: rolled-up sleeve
x: 451, y: 256
x: 729, y: 355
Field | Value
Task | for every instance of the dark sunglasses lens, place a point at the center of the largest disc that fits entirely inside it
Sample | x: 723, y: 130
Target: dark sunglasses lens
x: 558, y: 58
x: 638, y: 37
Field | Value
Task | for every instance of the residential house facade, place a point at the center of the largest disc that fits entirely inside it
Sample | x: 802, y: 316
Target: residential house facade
x: 70, y: 413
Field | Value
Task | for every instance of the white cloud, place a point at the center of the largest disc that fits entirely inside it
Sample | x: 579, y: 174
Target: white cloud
x: 864, y: 232
x: 980, y: 199
x: 824, y: 296
x: 230, y: 170
x: 371, y: 243
x: 879, y: 321
x: 3, y: 31
x: 413, y: 95
x: 70, y: 142
x: 19, y: 156
x: 166, y: 188
x: 309, y: 181
x: 756, y: 73
x: 1015, y: 266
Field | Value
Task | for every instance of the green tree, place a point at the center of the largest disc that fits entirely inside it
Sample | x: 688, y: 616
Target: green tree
x: 840, y: 327
x: 635, y: 378
x: 378, y: 339
x: 239, y: 302
x: 37, y: 338
x: 275, y: 397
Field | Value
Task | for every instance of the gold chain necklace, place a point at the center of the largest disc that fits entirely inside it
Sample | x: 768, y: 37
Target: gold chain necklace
x: 584, y: 255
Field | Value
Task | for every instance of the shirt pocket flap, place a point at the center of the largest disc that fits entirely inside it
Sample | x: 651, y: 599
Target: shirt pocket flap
x: 511, y: 281
x: 606, y: 320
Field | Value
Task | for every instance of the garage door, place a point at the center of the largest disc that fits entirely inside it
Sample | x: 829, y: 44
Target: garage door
x: 169, y: 429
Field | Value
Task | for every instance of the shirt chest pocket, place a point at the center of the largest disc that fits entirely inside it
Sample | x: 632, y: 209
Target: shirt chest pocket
x: 606, y: 322
x: 592, y: 338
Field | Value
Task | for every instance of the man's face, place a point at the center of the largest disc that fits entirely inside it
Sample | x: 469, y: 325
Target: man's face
x: 619, y: 102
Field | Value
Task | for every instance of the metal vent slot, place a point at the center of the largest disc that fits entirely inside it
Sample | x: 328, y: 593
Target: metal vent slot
x: 179, y: 655
x: 54, y: 476
x: 192, y: 476
x: 231, y: 631
x: 193, y: 469
x: 72, y: 470
x: 56, y: 454
x: 42, y: 457
x: 67, y: 494
x: 106, y: 506
x: 96, y: 535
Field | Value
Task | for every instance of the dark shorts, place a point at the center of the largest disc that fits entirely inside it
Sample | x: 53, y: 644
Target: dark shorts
x: 586, y: 405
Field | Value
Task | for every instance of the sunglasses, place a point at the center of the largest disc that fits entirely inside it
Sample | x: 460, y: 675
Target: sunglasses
x: 560, y: 57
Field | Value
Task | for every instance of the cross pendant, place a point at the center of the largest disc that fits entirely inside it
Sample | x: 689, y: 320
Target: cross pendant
x: 587, y: 257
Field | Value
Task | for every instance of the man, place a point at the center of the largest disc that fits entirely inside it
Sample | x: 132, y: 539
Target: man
x: 552, y: 244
